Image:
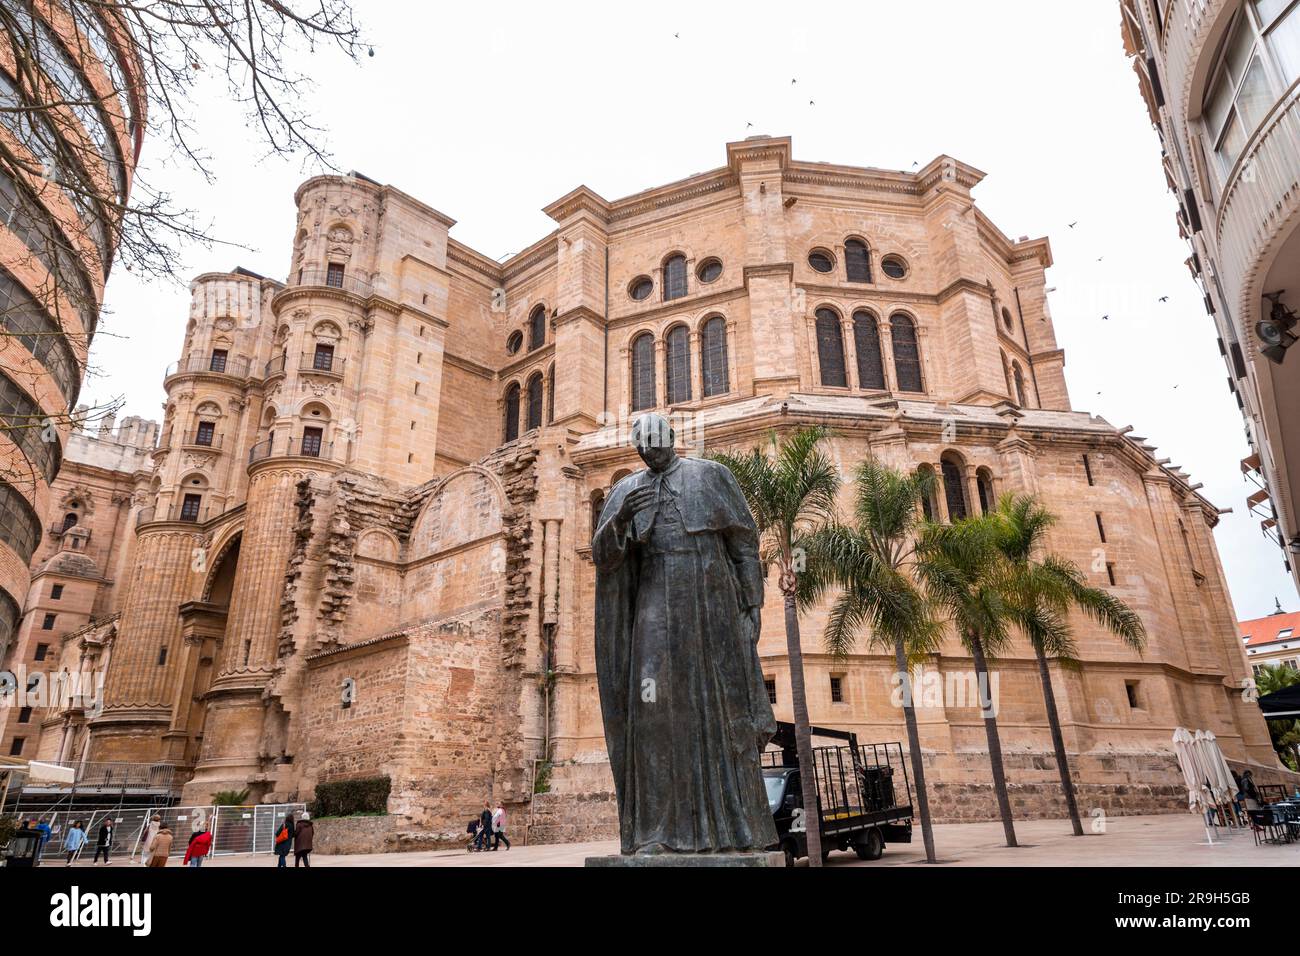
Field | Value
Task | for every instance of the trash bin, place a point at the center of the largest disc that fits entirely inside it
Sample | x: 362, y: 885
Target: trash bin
x: 24, y: 848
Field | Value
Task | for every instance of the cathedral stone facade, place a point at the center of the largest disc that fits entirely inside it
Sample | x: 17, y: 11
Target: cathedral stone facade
x: 363, y: 546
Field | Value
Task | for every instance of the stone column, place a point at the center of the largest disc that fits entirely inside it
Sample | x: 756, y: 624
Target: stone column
x: 138, y: 690
x: 850, y: 353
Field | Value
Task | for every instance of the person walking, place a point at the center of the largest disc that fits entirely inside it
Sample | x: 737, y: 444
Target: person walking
x: 302, y: 839
x: 200, y: 846
x: 149, y: 832
x: 499, y: 827
x: 485, y: 826
x: 104, y: 842
x: 160, y: 847
x: 74, y: 841
x: 44, y: 827
x: 284, y: 840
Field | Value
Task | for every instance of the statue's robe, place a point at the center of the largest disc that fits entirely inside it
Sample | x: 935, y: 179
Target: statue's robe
x: 681, y: 688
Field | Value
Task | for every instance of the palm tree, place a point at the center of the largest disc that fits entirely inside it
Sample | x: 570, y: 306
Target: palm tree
x: 1041, y: 590
x: 1285, y: 733
x: 870, y: 561
x: 964, y: 574
x: 791, y: 485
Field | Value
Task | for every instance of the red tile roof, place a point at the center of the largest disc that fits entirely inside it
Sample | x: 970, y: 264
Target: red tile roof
x: 1264, y: 630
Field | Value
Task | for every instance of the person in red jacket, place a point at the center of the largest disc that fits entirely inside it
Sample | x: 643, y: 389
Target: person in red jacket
x: 200, y: 846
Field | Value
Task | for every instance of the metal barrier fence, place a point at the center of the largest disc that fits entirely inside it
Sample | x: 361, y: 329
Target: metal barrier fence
x: 234, y: 829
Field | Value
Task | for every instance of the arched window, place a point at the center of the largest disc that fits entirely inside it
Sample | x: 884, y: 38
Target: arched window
x: 928, y: 506
x: 866, y: 340
x: 954, y: 488
x: 535, y: 402
x: 512, y: 412
x: 70, y: 520
x: 830, y: 348
x: 713, y: 357
x: 1019, y: 378
x: 537, y: 328
x: 678, y: 358
x: 857, y: 261
x: 907, y: 355
x: 597, y: 505
x: 550, y: 395
x: 643, y: 372
x: 674, y: 277
x: 984, y: 481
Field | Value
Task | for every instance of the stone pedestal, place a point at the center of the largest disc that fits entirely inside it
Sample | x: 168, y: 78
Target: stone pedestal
x: 662, y: 860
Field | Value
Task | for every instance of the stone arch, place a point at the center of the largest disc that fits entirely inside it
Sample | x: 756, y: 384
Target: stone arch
x: 467, y: 505
x: 225, y: 548
x: 378, y: 543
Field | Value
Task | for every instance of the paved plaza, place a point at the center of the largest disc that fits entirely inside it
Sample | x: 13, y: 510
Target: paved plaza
x: 1165, y: 840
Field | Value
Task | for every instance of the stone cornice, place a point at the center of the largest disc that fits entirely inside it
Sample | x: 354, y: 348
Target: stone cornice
x: 468, y: 365
x: 758, y: 149
x: 472, y: 259
x: 769, y: 269
x: 548, y: 247
x: 580, y: 200
x: 511, y: 368
x: 579, y: 314
x: 683, y: 306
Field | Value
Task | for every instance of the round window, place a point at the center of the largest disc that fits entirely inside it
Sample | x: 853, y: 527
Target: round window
x: 515, y: 342
x: 641, y: 288
x: 821, y: 262
x: 709, y: 270
x: 894, y: 267
x: 1006, y: 318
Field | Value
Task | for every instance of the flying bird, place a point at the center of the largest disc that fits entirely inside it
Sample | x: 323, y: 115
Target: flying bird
x: 811, y: 103
x: 793, y: 82
x: 748, y: 125
x: 1105, y: 318
x: 1073, y: 224
x: 1164, y: 298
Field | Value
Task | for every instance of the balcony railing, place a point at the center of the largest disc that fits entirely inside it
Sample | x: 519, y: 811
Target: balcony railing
x: 321, y: 363
x: 236, y: 366
x: 1259, y: 200
x: 275, y: 366
x: 176, y: 512
x: 293, y: 445
x: 346, y: 281
x: 203, y: 440
x: 113, y: 775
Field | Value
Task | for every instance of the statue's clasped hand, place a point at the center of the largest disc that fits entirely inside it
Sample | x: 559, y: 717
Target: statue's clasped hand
x: 635, y: 502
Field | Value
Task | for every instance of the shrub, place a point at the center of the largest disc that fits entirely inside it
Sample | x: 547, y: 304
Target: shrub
x: 350, y: 798
x: 230, y: 798
x: 8, y: 827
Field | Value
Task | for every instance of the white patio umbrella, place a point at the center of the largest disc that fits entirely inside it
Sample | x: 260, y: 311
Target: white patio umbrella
x: 1199, y: 796
x: 1216, y: 771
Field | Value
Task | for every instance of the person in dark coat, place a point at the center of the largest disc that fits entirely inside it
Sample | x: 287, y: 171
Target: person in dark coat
x: 284, y: 840
x: 302, y: 839
x: 104, y: 842
x: 485, y: 827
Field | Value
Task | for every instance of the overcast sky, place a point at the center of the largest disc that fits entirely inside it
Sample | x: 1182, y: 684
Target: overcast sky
x: 488, y: 112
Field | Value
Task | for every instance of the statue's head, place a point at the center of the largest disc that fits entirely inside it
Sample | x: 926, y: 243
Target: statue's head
x: 653, y: 438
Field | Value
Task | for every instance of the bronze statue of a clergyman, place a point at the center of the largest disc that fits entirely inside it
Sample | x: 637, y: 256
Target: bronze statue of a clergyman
x: 679, y: 588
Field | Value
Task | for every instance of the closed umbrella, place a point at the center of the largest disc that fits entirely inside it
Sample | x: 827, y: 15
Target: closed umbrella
x: 1194, y: 776
x: 1216, y: 771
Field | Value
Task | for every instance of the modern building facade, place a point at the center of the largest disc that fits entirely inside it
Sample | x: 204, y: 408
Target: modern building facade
x: 1272, y: 641
x: 1219, y: 78
x: 365, y: 544
x: 70, y: 134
